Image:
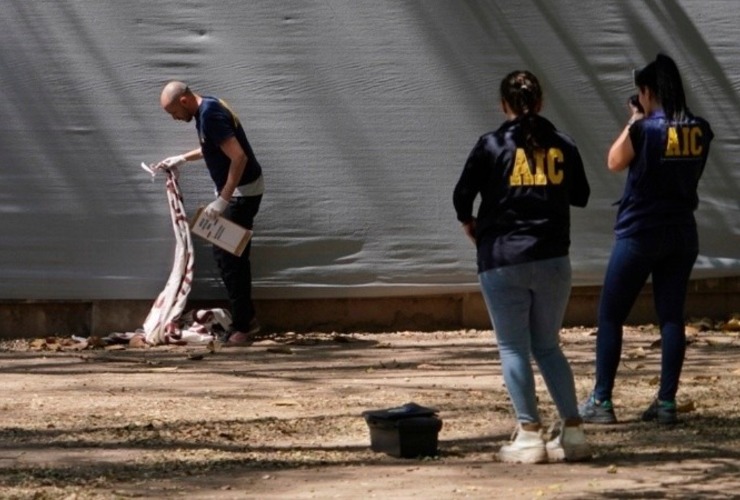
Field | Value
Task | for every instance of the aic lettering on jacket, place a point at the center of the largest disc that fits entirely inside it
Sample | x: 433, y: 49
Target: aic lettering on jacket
x: 684, y: 141
x: 547, y: 168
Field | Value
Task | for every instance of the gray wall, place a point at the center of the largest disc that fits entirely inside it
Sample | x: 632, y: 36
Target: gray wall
x: 362, y: 114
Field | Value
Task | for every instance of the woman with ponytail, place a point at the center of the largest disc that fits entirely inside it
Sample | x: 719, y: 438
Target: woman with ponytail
x: 527, y: 175
x: 665, y: 150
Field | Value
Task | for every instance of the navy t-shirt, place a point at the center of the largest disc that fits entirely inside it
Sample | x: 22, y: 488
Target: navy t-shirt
x: 661, y: 186
x: 215, y: 123
x: 524, y: 212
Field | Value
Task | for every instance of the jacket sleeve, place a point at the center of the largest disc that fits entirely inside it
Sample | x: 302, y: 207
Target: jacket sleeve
x: 469, y: 184
x: 578, y: 186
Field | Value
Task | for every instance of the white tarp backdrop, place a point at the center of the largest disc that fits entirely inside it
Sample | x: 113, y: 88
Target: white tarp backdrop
x: 361, y: 113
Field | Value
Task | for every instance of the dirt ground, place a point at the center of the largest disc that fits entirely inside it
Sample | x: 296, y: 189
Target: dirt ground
x: 281, y: 419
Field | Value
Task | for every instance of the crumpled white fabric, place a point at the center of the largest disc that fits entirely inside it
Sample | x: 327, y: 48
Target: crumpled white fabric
x: 165, y: 323
x: 160, y: 326
x: 201, y: 326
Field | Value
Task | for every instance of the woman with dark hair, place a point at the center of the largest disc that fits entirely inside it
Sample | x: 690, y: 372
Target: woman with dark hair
x: 527, y: 174
x: 665, y: 149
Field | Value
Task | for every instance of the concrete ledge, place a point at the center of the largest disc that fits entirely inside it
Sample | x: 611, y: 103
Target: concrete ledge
x: 717, y: 299
x: 40, y: 319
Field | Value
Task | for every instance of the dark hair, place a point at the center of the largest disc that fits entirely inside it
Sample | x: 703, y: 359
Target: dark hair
x: 522, y: 92
x: 664, y: 80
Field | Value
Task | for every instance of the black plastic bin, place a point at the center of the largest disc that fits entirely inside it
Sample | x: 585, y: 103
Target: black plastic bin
x: 407, y: 431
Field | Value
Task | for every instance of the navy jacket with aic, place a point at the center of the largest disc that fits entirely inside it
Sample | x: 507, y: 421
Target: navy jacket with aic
x: 661, y: 186
x: 525, y: 198
x: 215, y: 123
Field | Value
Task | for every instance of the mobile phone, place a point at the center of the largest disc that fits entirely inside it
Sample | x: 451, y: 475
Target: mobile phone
x: 634, y: 101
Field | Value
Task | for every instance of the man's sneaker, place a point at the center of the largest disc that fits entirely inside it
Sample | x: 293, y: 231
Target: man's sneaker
x: 526, y: 447
x: 244, y: 338
x: 253, y: 327
x: 662, y: 411
x: 597, y: 412
x: 568, y: 443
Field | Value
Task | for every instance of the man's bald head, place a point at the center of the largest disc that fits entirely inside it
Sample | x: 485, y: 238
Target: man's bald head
x: 172, y: 91
x: 179, y: 101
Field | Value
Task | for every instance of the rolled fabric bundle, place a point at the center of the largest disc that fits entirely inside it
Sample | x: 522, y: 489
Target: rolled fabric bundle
x: 161, y: 322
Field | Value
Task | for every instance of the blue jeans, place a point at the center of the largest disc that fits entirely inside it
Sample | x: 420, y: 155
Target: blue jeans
x: 668, y: 254
x: 527, y: 303
x: 236, y: 272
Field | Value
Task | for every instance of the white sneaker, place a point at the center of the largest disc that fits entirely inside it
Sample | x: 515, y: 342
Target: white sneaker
x: 569, y: 444
x: 526, y: 447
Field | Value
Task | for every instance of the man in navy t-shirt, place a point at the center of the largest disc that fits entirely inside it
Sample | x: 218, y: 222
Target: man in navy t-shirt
x: 237, y: 176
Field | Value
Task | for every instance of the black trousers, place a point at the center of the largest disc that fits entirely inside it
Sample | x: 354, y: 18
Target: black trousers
x: 236, y: 272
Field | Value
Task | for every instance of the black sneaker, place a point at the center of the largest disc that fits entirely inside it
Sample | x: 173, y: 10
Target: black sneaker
x: 662, y: 411
x: 597, y: 412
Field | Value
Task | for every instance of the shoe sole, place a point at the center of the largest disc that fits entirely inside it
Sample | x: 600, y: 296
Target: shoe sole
x: 525, y: 456
x: 578, y: 453
x: 611, y: 419
x: 239, y: 343
x: 660, y: 421
x: 663, y: 418
x: 602, y: 421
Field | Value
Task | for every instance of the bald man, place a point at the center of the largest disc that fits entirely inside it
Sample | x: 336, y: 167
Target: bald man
x: 237, y: 176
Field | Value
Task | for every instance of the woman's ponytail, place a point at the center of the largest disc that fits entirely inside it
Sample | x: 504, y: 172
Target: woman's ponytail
x: 664, y: 80
x: 670, y: 87
x: 522, y: 92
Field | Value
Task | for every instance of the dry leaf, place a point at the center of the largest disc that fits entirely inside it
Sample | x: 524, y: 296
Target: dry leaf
x: 95, y: 342
x: 733, y: 325
x: 636, y: 353
x: 37, y: 344
x: 138, y: 342
x: 425, y: 366
x: 686, y: 407
x: 77, y: 346
x: 303, y: 342
x: 636, y: 367
x: 286, y: 402
x: 724, y: 341
x: 692, y: 330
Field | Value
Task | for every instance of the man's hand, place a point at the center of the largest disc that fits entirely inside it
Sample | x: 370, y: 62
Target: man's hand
x: 171, y: 162
x: 216, y: 208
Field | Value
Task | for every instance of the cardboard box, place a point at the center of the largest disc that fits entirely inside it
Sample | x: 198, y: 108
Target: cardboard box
x: 221, y: 232
x: 407, y: 431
